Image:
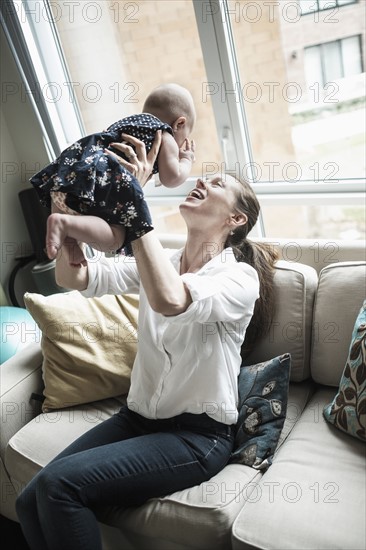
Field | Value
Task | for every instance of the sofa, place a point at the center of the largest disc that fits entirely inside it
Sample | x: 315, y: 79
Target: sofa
x: 311, y: 497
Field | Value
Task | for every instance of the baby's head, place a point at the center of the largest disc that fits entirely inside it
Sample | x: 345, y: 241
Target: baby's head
x: 172, y: 104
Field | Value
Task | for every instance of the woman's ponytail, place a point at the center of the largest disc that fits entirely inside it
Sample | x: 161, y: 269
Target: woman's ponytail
x: 262, y: 257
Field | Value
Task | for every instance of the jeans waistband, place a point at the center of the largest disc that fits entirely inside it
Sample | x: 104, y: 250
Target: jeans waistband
x: 197, y: 422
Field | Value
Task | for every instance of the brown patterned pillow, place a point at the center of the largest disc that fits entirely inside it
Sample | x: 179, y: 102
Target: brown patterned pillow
x: 348, y: 408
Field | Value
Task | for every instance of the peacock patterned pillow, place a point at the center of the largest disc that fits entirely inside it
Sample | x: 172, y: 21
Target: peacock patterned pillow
x: 347, y: 411
x: 263, y: 392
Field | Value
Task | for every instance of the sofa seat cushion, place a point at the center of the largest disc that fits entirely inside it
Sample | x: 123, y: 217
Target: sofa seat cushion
x: 39, y: 441
x: 311, y: 497
x: 200, y: 517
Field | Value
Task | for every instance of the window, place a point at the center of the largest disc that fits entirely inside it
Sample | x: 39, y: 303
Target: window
x: 298, y: 139
x: 310, y: 6
x: 305, y: 114
x: 37, y: 52
x: 331, y: 61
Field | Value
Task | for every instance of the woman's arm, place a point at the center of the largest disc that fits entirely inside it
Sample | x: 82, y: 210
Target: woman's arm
x: 76, y: 277
x: 165, y: 289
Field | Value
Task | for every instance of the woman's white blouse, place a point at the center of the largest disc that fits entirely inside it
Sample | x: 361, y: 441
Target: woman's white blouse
x: 188, y: 362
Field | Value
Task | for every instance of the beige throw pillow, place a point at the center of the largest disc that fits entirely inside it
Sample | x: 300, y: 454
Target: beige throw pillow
x: 88, y: 344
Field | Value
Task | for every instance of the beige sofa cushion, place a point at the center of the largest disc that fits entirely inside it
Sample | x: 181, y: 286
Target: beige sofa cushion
x: 44, y: 437
x: 312, y: 496
x: 295, y: 286
x: 88, y: 345
x: 341, y: 292
x: 199, y: 517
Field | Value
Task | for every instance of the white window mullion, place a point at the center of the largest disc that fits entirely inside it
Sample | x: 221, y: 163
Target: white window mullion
x: 32, y: 36
x: 223, y: 87
x: 58, y: 90
x: 223, y: 81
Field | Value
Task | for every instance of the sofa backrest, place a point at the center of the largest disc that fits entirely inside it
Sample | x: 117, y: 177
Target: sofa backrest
x: 341, y: 292
x: 295, y: 286
x: 318, y: 253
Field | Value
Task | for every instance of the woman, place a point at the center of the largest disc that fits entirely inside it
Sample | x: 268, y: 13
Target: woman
x: 177, y: 428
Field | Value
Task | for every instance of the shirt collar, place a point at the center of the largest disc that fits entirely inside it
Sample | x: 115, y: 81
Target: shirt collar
x: 227, y: 256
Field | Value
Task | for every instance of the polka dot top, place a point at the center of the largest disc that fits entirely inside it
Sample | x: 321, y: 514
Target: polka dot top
x: 142, y: 126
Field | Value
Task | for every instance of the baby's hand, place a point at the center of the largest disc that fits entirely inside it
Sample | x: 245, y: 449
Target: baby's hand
x: 186, y: 151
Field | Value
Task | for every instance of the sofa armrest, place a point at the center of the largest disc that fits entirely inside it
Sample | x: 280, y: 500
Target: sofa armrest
x: 20, y: 376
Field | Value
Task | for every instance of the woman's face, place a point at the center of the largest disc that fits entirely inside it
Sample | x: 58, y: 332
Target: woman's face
x: 214, y: 199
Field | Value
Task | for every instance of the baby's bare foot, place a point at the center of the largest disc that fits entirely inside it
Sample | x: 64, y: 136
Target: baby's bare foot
x: 55, y: 235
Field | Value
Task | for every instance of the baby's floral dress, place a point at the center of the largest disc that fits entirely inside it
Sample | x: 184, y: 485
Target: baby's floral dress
x: 96, y: 184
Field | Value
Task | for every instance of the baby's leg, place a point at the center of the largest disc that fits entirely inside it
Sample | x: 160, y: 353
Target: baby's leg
x: 74, y: 249
x: 88, y: 229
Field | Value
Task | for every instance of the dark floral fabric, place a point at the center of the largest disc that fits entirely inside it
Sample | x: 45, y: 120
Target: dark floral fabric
x: 96, y: 184
x: 263, y: 392
x: 348, y: 408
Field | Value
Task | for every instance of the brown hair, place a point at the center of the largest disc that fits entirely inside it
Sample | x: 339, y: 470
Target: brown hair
x: 262, y: 257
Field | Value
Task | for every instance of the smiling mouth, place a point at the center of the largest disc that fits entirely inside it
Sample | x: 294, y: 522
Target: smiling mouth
x: 196, y: 194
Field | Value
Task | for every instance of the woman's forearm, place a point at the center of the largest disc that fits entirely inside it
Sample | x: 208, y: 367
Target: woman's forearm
x: 165, y: 290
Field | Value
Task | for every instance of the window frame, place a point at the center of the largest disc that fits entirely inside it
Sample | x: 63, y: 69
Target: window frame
x: 59, y: 118
x: 231, y: 124
x: 331, y: 7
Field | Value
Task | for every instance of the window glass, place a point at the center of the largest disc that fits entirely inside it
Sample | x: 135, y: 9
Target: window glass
x: 333, y: 65
x: 300, y: 126
x: 305, y: 117
x: 326, y: 4
x: 313, y: 65
x: 307, y: 7
x: 318, y: 221
x: 351, y: 55
x: 344, y: 2
x: 118, y: 51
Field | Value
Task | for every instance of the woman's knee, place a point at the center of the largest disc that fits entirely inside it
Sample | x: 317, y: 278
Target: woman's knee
x: 26, y: 500
x: 44, y: 486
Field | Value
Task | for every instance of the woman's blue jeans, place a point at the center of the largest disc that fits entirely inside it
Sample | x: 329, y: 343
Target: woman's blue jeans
x: 123, y: 461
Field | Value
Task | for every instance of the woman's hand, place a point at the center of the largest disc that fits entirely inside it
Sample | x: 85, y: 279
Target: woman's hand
x: 139, y: 164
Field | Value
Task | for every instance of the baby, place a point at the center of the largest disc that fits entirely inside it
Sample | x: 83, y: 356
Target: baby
x: 87, y: 179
